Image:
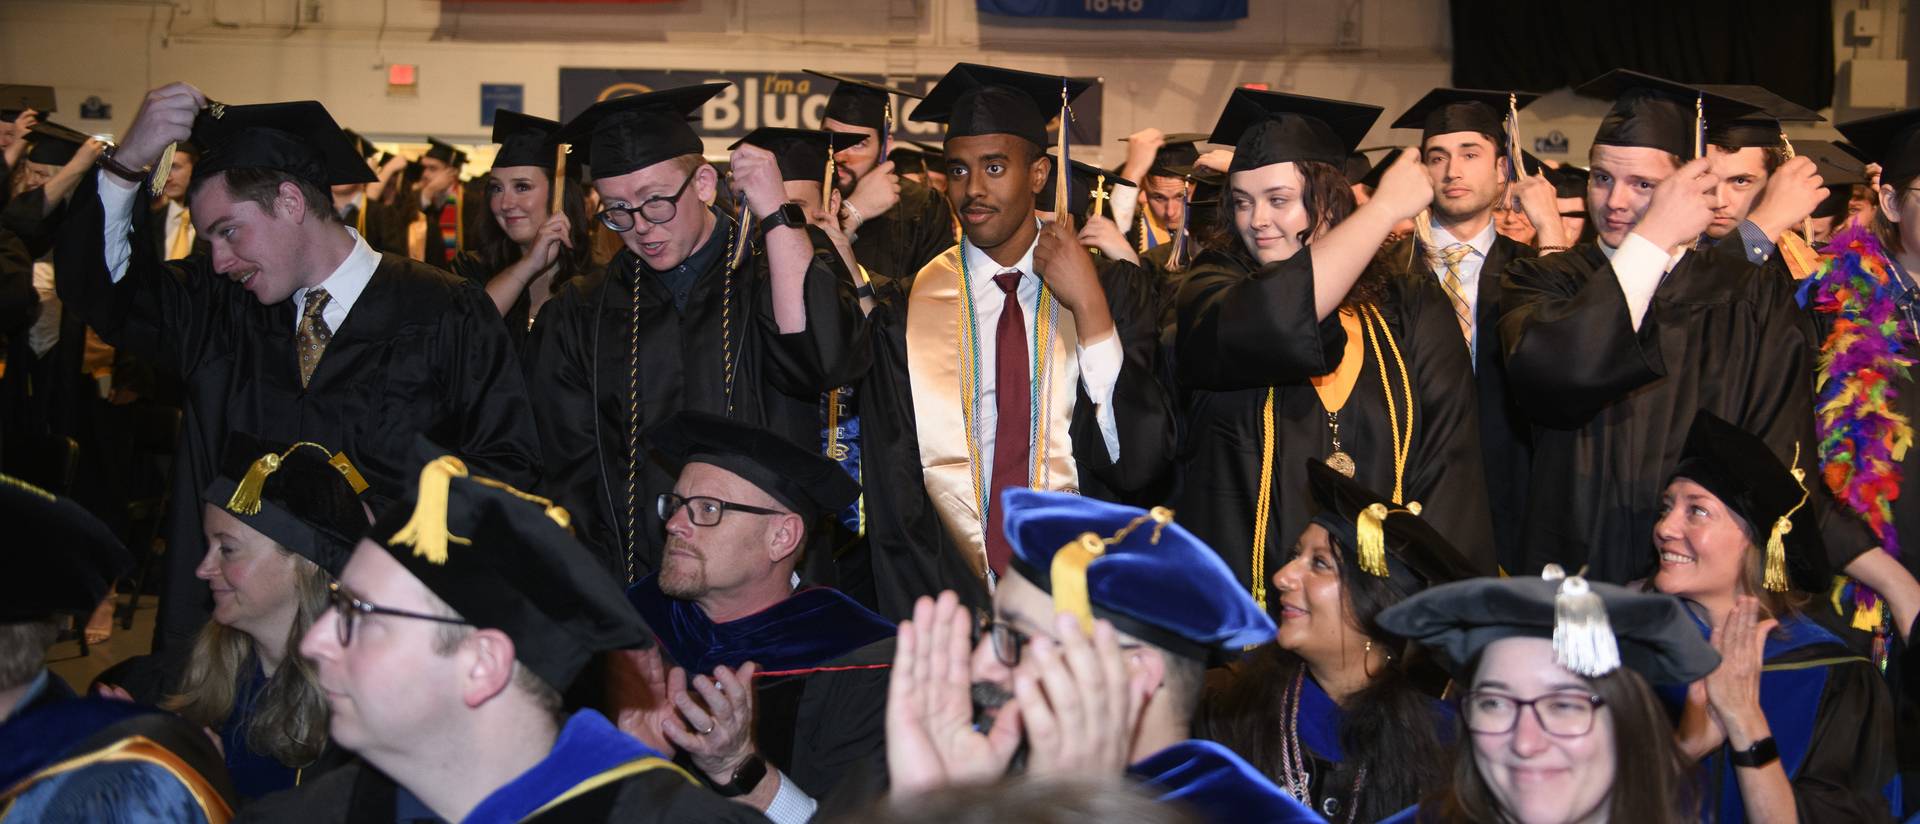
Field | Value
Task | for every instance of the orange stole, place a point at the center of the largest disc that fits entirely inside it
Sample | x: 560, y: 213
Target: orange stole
x: 936, y: 357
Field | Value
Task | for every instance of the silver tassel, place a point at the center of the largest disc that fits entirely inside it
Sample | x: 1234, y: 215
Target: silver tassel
x: 1583, y: 640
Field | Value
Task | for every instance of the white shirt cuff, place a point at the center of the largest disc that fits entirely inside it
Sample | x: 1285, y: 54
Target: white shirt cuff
x: 1639, y: 266
x: 790, y: 804
x: 1125, y: 202
x: 1099, y: 371
x: 118, y: 205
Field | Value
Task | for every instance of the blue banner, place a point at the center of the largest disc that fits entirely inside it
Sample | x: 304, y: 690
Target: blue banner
x: 1189, y: 11
x: 794, y: 100
x: 497, y: 96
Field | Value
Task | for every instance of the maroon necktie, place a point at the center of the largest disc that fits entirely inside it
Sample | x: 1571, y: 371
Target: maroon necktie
x: 1012, y: 401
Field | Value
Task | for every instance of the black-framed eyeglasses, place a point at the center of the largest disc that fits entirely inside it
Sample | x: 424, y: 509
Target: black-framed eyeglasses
x: 1565, y: 714
x: 703, y: 510
x: 1007, y: 640
x: 351, y: 608
x: 657, y: 209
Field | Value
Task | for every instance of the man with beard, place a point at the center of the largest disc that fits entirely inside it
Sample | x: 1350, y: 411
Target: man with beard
x: 794, y: 678
x: 897, y: 226
x: 1014, y: 361
x: 1464, y: 149
x: 753, y: 318
x: 1091, y: 664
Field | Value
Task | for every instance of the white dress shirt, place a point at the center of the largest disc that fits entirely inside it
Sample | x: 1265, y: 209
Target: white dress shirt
x: 1640, y: 266
x: 45, y: 331
x: 1470, y: 266
x: 343, y: 285
x: 1099, y: 360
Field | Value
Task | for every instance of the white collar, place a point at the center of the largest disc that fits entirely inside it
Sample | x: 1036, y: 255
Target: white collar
x: 1482, y: 242
x: 350, y: 278
x: 982, y: 268
x: 1673, y: 257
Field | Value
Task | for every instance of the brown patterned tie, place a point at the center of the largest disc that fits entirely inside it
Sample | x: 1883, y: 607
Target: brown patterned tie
x: 313, y: 335
x: 1456, y: 289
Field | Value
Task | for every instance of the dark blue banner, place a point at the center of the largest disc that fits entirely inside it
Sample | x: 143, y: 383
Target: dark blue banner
x: 1190, y: 11
x: 794, y: 100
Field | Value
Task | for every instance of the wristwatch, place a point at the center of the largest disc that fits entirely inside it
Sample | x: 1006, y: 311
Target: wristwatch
x: 789, y: 214
x: 120, y: 170
x: 1762, y: 753
x: 751, y: 774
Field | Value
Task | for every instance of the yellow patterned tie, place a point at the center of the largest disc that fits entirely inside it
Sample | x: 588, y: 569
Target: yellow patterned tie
x: 181, y: 244
x: 313, y: 335
x: 1456, y: 290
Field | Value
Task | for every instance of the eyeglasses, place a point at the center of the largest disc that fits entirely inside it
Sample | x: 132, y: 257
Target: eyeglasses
x: 704, y: 511
x: 1562, y: 714
x: 1008, y: 641
x: 351, y: 608
x: 657, y: 209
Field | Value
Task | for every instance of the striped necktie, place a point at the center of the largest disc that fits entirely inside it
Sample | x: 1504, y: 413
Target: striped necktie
x: 1456, y: 289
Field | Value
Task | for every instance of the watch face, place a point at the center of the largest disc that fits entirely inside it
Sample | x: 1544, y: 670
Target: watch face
x: 792, y: 214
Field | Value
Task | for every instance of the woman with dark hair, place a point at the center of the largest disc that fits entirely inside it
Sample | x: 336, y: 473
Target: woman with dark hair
x: 280, y: 521
x: 1332, y: 711
x: 1558, y: 723
x: 1809, y: 737
x: 1291, y: 347
x: 523, y: 255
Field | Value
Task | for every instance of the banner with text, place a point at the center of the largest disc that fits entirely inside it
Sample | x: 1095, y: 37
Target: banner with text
x: 794, y: 100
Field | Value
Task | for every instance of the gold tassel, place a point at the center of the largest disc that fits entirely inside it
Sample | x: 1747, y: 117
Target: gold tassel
x: 1777, y: 555
x: 1583, y: 639
x: 1069, y: 578
x: 427, y: 530
x: 1370, y: 529
x: 246, y: 497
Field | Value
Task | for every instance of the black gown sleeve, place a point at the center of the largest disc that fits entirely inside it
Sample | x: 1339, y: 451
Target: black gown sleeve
x: 1851, y: 756
x: 19, y: 303
x: 1570, y: 344
x: 1142, y: 409
x: 833, y: 349
x: 487, y: 381
x: 1448, y: 475
x: 559, y: 364
x: 1248, y: 330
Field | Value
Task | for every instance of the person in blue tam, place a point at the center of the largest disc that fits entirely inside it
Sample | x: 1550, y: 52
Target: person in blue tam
x: 1091, y: 662
x: 454, y: 628
x: 728, y: 611
x: 1334, y: 711
x: 1795, y: 722
x: 65, y: 758
x: 1558, y: 722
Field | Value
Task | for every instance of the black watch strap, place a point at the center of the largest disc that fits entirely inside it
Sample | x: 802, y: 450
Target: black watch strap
x: 120, y: 170
x: 789, y: 214
x: 748, y: 777
x: 1762, y: 753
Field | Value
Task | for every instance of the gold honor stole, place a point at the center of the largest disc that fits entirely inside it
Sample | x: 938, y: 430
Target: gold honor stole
x: 941, y: 372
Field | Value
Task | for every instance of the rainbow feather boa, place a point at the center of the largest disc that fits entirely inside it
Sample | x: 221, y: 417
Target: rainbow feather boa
x: 1862, y: 439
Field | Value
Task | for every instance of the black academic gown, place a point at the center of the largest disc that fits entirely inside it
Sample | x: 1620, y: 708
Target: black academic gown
x: 519, y: 318
x: 1610, y: 407
x: 578, y: 367
x: 386, y: 226
x: 913, y: 554
x: 821, y: 691
x: 421, y: 353
x: 1244, y: 329
x: 894, y: 245
x: 1506, y: 441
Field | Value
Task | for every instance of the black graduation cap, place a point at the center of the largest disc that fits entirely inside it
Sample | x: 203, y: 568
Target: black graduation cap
x: 803, y: 154
x: 1358, y: 166
x: 1444, y: 111
x: 1657, y: 113
x: 524, y: 140
x: 1839, y: 169
x: 304, y: 496
x: 1208, y: 184
x: 445, y: 152
x: 15, y: 99
x: 1569, y: 181
x: 800, y: 479
x: 934, y: 151
x: 299, y: 138
x: 54, y: 144
x: 1081, y: 180
x: 58, y: 559
x: 1892, y: 140
x: 626, y: 134
x: 507, y: 560
x: 1761, y: 128
x: 1745, y: 474
x: 1179, y: 149
x: 1647, y: 632
x: 1270, y: 127
x: 364, y: 146
x: 908, y: 159
x: 974, y: 100
x: 1382, y: 538
x: 861, y: 102
x: 1379, y: 170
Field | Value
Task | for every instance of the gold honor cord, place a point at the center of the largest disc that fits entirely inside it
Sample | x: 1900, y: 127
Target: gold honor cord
x: 164, y: 166
x: 559, y: 178
x: 1402, y: 444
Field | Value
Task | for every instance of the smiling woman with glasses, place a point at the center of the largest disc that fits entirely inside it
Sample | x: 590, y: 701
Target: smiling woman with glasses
x: 1558, y: 723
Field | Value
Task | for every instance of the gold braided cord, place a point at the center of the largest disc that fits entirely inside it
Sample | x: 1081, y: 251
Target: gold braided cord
x: 1041, y: 383
x: 1402, y: 444
x: 1262, y: 506
x: 633, y: 420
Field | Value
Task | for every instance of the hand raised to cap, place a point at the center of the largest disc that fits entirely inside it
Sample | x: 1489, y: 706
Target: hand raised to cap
x: 1404, y: 188
x: 165, y: 117
x: 1682, y: 206
x: 756, y: 174
x: 1793, y: 191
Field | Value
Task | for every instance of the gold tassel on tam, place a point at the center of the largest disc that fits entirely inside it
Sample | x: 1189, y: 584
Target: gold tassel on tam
x: 1069, y: 577
x: 1583, y: 639
x: 1370, y: 532
x: 246, y: 496
x: 1776, y: 578
x: 427, y: 531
